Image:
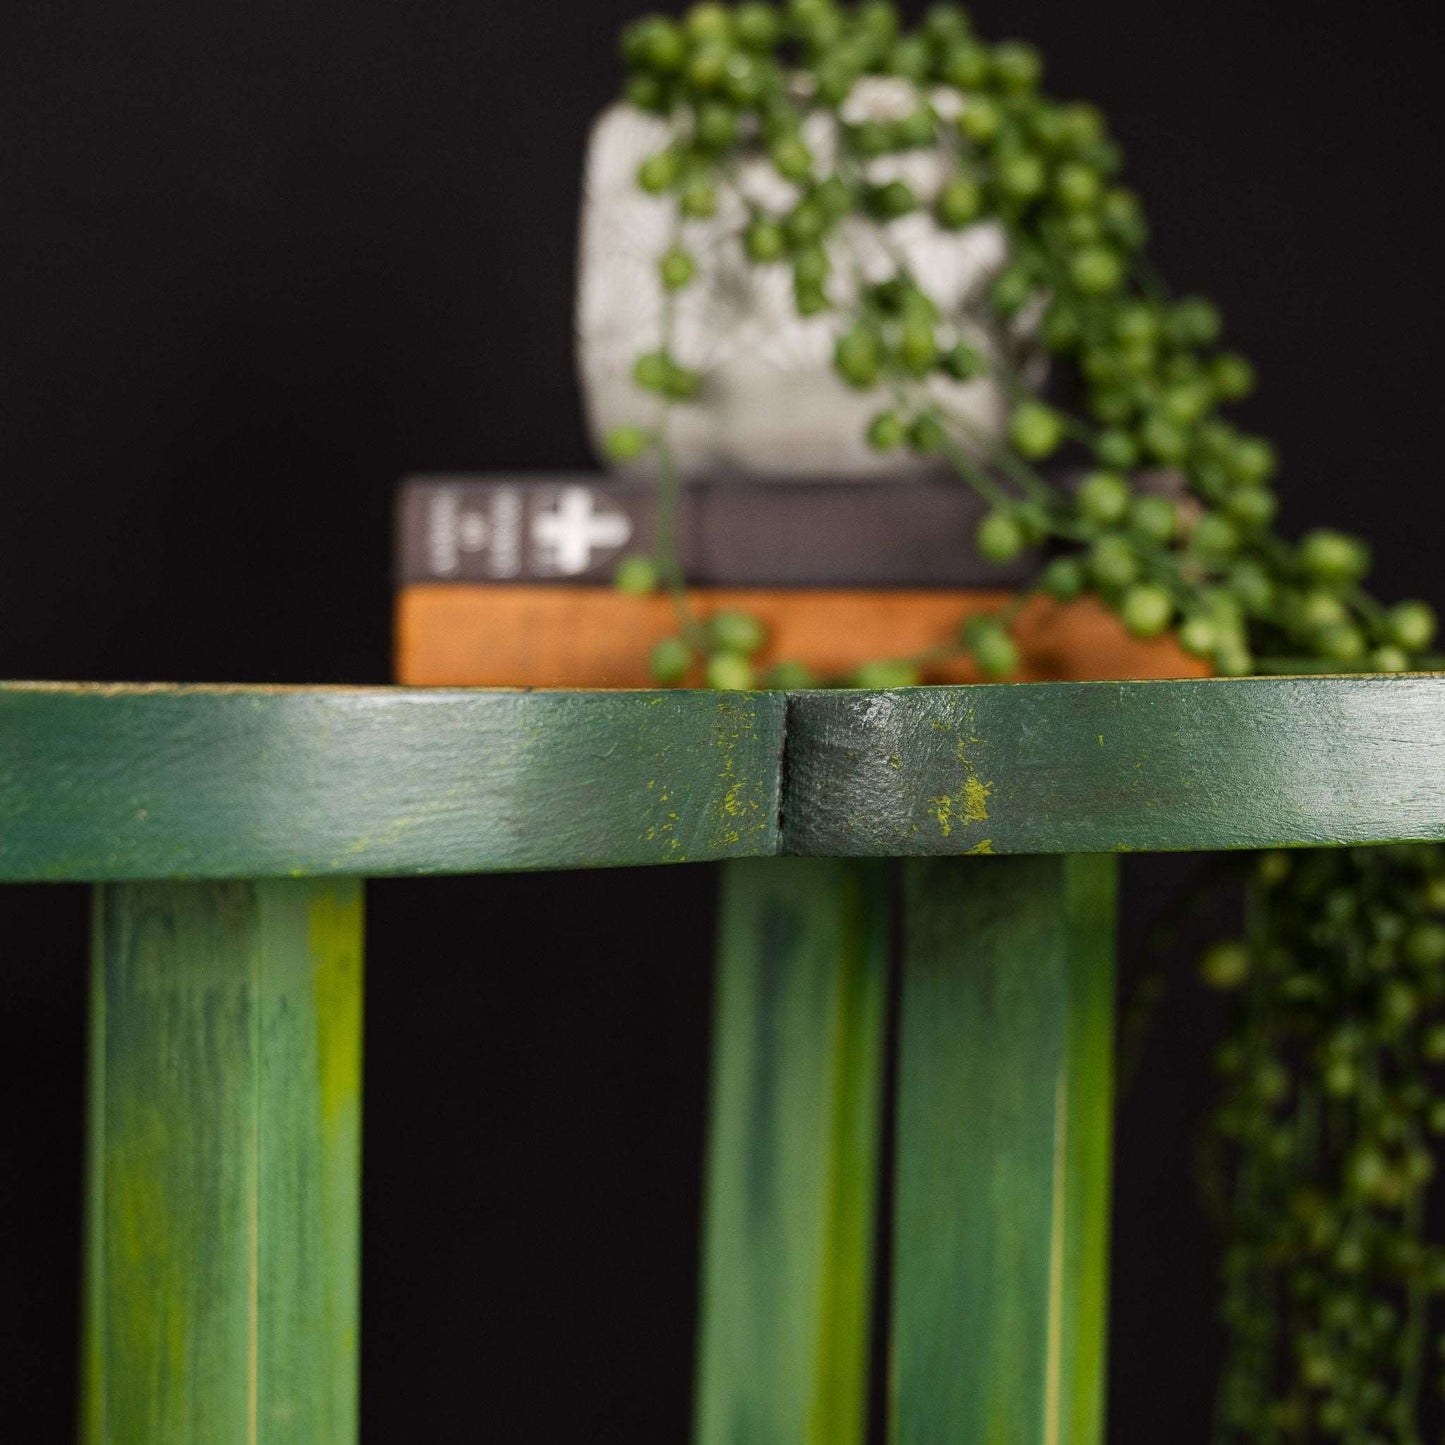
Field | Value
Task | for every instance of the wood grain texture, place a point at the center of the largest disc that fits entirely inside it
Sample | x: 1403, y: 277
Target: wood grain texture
x: 223, y: 1231
x: 506, y: 635
x: 793, y: 1153
x: 113, y: 783
x: 110, y: 783
x: 1100, y: 767
x: 1003, y: 1147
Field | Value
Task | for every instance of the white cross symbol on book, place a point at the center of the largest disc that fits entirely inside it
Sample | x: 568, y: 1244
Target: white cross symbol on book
x: 567, y: 533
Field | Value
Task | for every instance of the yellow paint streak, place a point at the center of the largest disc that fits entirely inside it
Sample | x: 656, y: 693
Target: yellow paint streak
x: 983, y: 847
x: 735, y: 808
x: 970, y: 804
x: 335, y: 931
x: 975, y: 800
x: 1054, y: 1368
x: 151, y: 1255
x: 943, y: 811
x: 972, y: 807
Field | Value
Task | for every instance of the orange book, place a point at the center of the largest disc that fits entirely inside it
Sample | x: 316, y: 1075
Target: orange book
x: 534, y: 635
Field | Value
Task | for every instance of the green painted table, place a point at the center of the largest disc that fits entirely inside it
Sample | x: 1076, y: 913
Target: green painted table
x: 227, y: 831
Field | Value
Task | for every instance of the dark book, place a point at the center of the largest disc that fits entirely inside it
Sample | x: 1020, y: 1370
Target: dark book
x: 573, y: 528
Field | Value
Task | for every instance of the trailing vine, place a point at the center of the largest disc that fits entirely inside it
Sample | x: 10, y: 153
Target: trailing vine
x: 1334, y: 1068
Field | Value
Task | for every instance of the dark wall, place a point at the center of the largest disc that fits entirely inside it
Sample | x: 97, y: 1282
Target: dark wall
x: 258, y: 260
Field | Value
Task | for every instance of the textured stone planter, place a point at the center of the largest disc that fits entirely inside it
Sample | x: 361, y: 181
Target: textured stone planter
x: 771, y: 404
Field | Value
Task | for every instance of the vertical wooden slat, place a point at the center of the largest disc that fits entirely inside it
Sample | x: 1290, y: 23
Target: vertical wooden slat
x: 1004, y: 1131
x: 1092, y: 889
x: 92, y: 1310
x: 222, y: 1279
x: 793, y: 1153
x: 309, y: 1163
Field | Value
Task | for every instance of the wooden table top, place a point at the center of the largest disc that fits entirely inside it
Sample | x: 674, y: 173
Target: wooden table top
x: 105, y: 782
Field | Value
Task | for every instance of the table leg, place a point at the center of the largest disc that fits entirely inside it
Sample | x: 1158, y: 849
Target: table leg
x: 1004, y: 1131
x: 222, y: 1271
x: 793, y: 1153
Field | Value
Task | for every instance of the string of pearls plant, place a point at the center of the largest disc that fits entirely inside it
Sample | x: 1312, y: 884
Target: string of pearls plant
x: 1332, y: 1073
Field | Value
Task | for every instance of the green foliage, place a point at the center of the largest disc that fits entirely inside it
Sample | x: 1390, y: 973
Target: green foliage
x: 1154, y: 378
x: 1325, y: 1142
x: 671, y: 661
x: 1329, y: 1099
x: 636, y: 576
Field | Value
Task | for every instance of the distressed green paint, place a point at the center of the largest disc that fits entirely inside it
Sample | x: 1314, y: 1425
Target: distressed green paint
x: 92, y: 1315
x: 793, y: 1154
x: 1111, y: 767
x: 177, y: 1185
x: 1090, y: 926
x: 225, y: 1075
x: 1003, y: 1147
x: 224, y: 1194
x: 114, y: 783
x: 309, y: 1140
x: 334, y: 932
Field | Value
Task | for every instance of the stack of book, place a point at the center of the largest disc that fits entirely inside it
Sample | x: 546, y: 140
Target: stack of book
x: 505, y: 581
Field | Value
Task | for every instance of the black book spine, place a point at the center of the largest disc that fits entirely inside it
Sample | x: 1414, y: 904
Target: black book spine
x: 573, y: 529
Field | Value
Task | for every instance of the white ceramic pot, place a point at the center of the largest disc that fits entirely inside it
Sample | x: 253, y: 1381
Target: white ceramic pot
x: 771, y: 403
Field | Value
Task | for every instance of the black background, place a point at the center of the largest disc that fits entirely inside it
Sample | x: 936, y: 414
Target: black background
x: 258, y: 260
